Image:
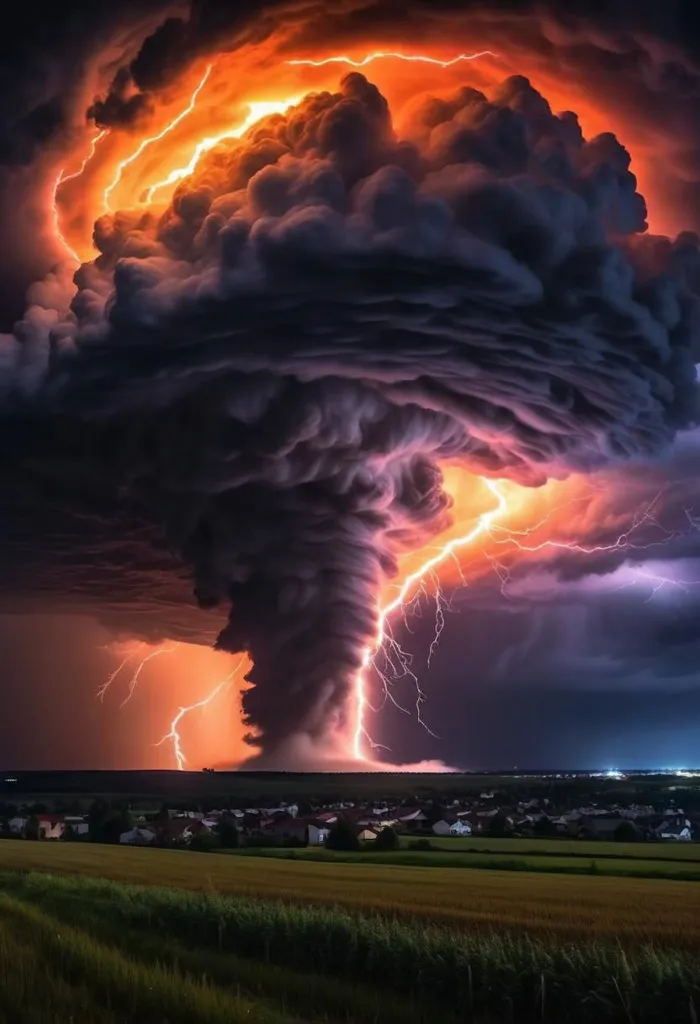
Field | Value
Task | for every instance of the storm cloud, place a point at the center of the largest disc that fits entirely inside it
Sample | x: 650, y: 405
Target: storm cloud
x: 257, y: 389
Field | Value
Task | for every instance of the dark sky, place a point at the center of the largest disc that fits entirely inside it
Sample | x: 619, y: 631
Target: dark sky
x: 228, y: 426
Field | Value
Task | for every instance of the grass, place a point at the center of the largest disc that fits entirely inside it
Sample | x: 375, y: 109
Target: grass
x: 630, y: 911
x: 106, y: 955
x: 666, y: 851
x: 168, y: 955
x: 48, y: 971
x: 442, y: 857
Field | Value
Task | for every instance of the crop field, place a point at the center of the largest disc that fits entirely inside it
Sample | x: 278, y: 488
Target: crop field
x: 564, y: 907
x: 72, y: 950
x: 93, y: 950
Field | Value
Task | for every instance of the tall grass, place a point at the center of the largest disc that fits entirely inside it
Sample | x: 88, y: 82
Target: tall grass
x: 109, y: 983
x: 314, y: 996
x: 504, y: 978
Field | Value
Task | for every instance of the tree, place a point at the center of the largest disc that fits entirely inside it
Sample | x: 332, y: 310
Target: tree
x: 544, y: 827
x: 500, y: 827
x: 98, y: 815
x: 343, y: 836
x: 120, y: 820
x: 31, y: 829
x: 228, y: 834
x: 434, y: 812
x: 386, y: 840
x: 627, y: 832
x: 204, y: 841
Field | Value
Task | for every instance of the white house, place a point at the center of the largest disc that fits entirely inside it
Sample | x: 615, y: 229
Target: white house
x: 452, y: 828
x: 79, y: 826
x: 317, y: 835
x: 678, y: 830
x: 460, y: 828
x: 16, y: 824
x: 138, y: 837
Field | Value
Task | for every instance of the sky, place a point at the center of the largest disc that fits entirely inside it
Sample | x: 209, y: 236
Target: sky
x: 348, y: 387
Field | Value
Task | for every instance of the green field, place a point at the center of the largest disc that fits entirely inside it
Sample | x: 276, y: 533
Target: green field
x: 103, y: 933
x: 441, y: 858
x: 566, y: 847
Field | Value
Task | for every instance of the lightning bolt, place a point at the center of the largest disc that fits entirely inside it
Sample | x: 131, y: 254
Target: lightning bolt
x: 658, y: 582
x: 417, y: 58
x: 256, y: 111
x: 94, y: 142
x: 173, y: 734
x: 61, y: 180
x: 121, y: 167
x: 102, y: 690
x: 56, y: 221
x: 384, y: 638
x: 389, y: 659
x: 133, y: 682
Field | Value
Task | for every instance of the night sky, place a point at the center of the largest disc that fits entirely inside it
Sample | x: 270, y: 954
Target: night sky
x: 278, y: 328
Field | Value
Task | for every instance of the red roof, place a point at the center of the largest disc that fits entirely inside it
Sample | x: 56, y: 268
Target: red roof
x: 51, y: 819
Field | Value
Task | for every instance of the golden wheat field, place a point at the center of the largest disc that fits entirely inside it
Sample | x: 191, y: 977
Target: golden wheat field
x: 631, y: 910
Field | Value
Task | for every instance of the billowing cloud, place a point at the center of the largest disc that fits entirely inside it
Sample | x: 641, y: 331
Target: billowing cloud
x: 271, y: 373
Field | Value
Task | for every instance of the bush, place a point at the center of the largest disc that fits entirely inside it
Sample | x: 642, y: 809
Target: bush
x: 343, y: 836
x: 31, y: 829
x: 228, y: 834
x: 293, y: 843
x: 500, y: 827
x: 204, y: 842
x: 627, y: 832
x: 260, y: 842
x: 386, y: 840
x: 420, y: 844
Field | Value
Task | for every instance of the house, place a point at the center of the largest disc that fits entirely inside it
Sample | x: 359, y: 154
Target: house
x: 51, y: 826
x: 327, y: 817
x: 678, y: 830
x: 183, y: 829
x: 460, y: 828
x: 636, y: 811
x: 17, y: 824
x: 411, y: 818
x: 600, y: 828
x: 317, y: 834
x: 304, y: 830
x: 367, y: 835
x: 138, y: 837
x: 78, y: 825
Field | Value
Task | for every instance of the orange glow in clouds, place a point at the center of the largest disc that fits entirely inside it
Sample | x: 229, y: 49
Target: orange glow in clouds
x: 116, y: 173
x: 204, y: 685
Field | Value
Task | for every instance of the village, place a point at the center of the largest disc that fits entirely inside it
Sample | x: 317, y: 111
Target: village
x: 296, y: 824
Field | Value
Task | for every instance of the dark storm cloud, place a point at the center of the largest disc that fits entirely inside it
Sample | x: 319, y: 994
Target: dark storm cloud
x: 51, y: 66
x: 110, y: 61
x: 640, y: 62
x: 274, y: 368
